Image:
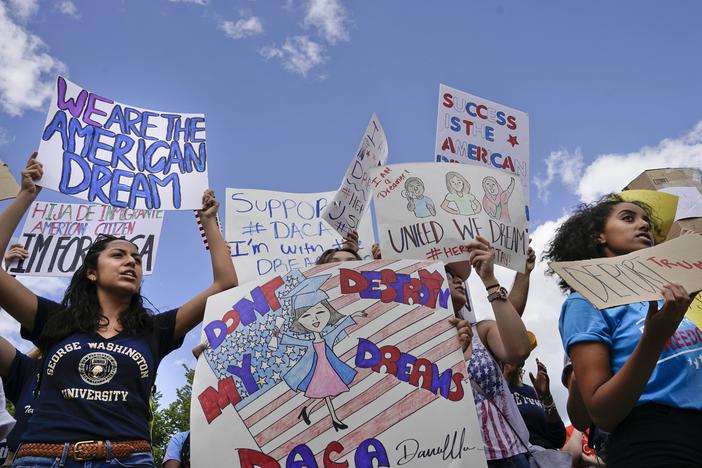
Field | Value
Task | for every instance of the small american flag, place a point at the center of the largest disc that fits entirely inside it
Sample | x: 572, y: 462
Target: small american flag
x: 202, y: 230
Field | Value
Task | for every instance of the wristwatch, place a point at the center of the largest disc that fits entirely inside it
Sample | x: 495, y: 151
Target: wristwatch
x: 499, y: 295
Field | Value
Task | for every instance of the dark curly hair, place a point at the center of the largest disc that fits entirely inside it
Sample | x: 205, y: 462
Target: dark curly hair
x: 576, y: 238
x: 81, y: 311
x: 327, y: 255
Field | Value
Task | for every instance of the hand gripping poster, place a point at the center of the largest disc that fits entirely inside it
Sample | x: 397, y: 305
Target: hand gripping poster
x: 432, y: 211
x: 106, y: 152
x: 342, y: 364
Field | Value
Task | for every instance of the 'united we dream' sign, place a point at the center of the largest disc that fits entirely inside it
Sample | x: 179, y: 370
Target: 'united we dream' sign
x: 103, y: 151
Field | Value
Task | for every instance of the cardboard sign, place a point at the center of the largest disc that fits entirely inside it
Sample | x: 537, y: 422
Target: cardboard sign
x: 8, y: 185
x: 274, y: 232
x: 638, y: 276
x: 353, y: 197
x: 320, y: 364
x: 107, y: 152
x: 431, y: 211
x: 58, y: 235
x: 473, y: 130
x: 663, y: 205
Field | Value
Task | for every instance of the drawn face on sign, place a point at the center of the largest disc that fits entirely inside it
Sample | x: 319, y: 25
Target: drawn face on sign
x: 627, y: 229
x: 315, y: 318
x: 415, y: 188
x: 490, y: 185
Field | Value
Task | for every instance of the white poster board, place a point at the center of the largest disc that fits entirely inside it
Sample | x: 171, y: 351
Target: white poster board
x: 103, y: 151
x: 431, y: 211
x: 394, y: 377
x: 689, y: 204
x: 638, y: 276
x: 274, y: 232
x: 58, y: 235
x: 473, y: 130
x: 352, y: 199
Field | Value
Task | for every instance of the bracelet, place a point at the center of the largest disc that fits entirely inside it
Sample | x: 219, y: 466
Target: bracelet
x: 496, y: 285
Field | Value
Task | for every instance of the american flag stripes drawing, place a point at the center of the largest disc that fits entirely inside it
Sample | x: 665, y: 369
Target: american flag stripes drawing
x: 379, y: 403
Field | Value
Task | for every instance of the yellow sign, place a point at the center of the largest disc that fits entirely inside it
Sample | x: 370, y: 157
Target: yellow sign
x: 694, y: 312
x: 664, y: 206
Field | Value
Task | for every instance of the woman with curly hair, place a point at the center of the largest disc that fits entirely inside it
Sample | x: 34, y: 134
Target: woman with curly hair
x: 633, y: 364
x: 101, y: 346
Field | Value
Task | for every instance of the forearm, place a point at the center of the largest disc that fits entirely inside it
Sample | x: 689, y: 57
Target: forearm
x: 519, y: 292
x: 10, y: 218
x: 612, y: 401
x: 577, y: 412
x: 223, y: 272
x: 512, y: 331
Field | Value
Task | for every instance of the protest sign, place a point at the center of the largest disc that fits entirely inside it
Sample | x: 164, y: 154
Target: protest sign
x: 351, y: 362
x: 690, y: 204
x: 273, y: 232
x: 663, y: 207
x: 694, y: 312
x: 473, y: 130
x: 8, y: 185
x: 107, y: 152
x: 353, y: 197
x: 58, y: 235
x: 638, y: 276
x: 431, y: 211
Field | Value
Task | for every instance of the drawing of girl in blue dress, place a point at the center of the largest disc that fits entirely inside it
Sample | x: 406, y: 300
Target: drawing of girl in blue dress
x: 319, y: 373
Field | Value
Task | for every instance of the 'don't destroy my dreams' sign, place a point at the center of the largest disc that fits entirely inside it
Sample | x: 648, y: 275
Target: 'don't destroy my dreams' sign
x: 103, y: 151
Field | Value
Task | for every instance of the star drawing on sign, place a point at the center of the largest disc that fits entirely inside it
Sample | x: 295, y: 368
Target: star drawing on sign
x: 278, y: 360
x: 512, y: 140
x: 264, y: 365
x: 289, y: 351
x: 261, y: 382
x: 258, y: 354
x: 276, y: 377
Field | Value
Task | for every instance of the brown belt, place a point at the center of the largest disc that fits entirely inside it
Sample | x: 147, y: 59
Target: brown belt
x: 83, y: 450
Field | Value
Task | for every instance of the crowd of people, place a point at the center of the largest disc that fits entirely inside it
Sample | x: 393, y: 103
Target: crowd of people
x: 632, y: 401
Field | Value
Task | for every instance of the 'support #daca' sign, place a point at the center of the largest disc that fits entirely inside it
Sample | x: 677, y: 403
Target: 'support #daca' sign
x: 353, y: 362
x: 353, y: 197
x: 107, y: 152
x: 638, y: 276
x: 473, y: 130
x: 431, y: 211
x: 58, y: 235
x: 274, y: 232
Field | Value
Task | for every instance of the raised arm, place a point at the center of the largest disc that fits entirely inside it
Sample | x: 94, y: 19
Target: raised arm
x: 520, y: 289
x: 506, y: 336
x: 223, y: 273
x: 17, y: 300
x: 610, y: 398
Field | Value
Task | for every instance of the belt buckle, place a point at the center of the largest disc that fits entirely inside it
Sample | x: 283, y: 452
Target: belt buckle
x: 78, y: 457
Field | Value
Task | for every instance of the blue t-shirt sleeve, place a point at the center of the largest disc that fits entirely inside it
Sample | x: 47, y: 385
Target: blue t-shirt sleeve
x: 165, y: 327
x: 45, y: 307
x: 21, y: 373
x: 581, y: 322
x: 175, y: 446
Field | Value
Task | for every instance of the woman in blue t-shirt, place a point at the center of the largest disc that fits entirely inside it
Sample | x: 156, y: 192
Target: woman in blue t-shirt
x: 634, y: 364
x: 101, y: 347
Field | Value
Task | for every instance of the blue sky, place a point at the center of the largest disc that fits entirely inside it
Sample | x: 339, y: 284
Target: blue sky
x: 611, y: 88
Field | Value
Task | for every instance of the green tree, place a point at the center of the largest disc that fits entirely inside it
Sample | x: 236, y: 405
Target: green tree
x: 173, y: 418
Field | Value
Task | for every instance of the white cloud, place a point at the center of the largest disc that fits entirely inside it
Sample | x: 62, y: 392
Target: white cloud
x: 242, y: 28
x: 299, y: 54
x: 196, y: 2
x: 329, y: 17
x: 23, y: 9
x: 560, y: 165
x: 5, y: 137
x: 67, y: 7
x: 611, y: 172
x: 27, y: 71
